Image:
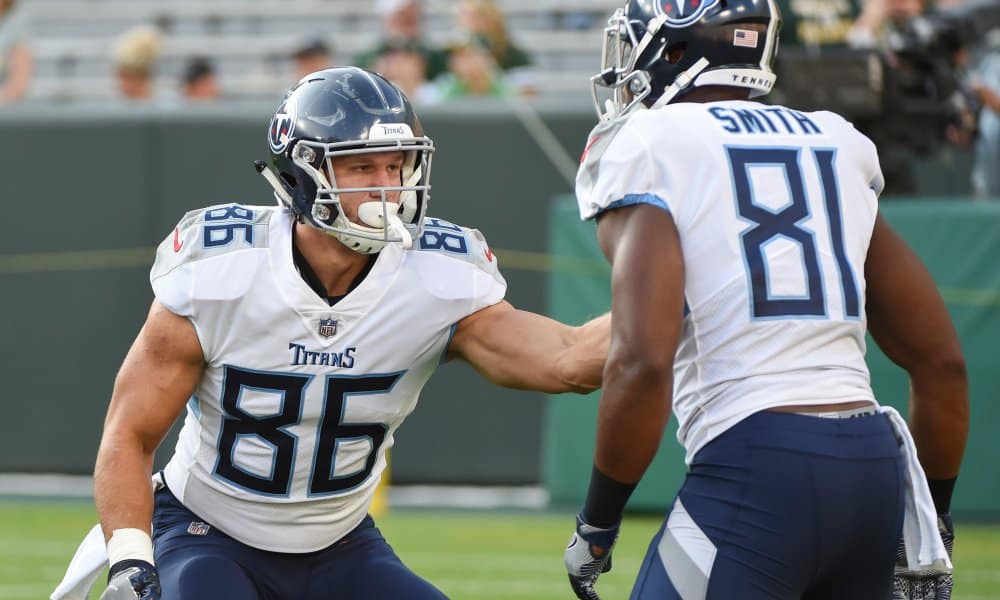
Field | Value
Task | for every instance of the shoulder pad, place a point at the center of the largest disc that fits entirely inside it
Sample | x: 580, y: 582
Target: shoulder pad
x: 617, y: 163
x: 454, y: 264
x: 201, y: 235
x: 598, y: 141
x: 212, y: 231
x: 461, y: 243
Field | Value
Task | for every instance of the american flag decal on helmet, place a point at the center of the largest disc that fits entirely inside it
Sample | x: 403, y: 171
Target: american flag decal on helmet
x: 745, y: 38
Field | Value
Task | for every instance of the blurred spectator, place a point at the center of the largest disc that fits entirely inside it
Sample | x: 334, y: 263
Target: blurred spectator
x: 472, y: 72
x: 926, y: 105
x: 200, y: 82
x: 986, y: 85
x: 813, y: 24
x: 135, y: 55
x: 486, y: 25
x: 402, y: 29
x: 879, y: 17
x: 407, y: 68
x: 314, y: 55
x: 16, y: 60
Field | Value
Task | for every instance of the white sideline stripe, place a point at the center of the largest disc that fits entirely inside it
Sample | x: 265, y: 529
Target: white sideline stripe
x: 403, y: 496
x: 50, y: 484
x: 429, y: 496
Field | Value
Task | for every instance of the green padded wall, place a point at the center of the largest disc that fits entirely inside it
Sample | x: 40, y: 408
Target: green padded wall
x: 90, y: 190
x: 960, y: 243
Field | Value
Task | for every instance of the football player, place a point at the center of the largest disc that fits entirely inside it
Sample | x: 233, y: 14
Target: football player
x: 748, y: 261
x: 296, y: 338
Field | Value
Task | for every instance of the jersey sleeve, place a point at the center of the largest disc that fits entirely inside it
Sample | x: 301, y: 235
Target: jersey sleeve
x: 872, y: 167
x: 490, y: 286
x: 459, y: 269
x: 863, y: 150
x: 619, y: 169
x: 185, y: 267
x: 171, y: 275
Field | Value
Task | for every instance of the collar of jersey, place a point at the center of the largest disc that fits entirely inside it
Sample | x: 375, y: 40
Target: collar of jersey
x: 301, y: 298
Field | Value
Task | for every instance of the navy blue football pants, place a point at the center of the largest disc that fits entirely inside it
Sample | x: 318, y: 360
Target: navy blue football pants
x: 214, y: 566
x: 783, y: 507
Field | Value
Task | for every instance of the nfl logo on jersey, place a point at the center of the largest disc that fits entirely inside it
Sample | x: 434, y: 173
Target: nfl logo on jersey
x: 327, y: 327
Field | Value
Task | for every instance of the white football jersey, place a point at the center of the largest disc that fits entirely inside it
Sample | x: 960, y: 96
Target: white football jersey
x: 285, y: 437
x: 775, y: 210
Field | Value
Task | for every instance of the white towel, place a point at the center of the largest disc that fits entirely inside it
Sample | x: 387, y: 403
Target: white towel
x: 90, y: 558
x: 925, y: 552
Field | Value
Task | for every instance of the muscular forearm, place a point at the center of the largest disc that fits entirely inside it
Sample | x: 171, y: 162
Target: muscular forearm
x: 939, y: 419
x: 122, y: 490
x: 633, y: 413
x: 581, y: 364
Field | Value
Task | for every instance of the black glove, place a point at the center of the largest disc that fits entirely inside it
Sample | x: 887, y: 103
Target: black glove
x: 916, y: 585
x: 132, y: 580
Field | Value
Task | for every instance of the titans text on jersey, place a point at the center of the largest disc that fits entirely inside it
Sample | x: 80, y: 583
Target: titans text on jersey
x: 303, y: 356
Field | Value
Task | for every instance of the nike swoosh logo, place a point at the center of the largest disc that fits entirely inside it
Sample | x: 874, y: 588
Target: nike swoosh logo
x: 178, y: 244
x: 590, y: 145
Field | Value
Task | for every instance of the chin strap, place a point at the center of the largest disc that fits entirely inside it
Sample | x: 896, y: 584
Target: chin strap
x: 396, y: 226
x: 280, y: 194
x: 652, y: 30
x: 681, y: 82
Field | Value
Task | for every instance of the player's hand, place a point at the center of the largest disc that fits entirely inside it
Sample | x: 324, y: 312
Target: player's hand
x: 587, y: 556
x: 132, y: 580
x: 909, y: 585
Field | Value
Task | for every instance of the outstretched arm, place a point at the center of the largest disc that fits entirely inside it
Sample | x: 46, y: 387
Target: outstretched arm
x: 154, y: 383
x: 524, y: 350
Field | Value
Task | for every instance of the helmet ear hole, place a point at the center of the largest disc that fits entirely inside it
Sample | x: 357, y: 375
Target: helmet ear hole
x: 674, y: 53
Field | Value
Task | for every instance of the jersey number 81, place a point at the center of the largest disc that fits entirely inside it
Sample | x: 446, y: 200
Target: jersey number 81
x: 769, y: 225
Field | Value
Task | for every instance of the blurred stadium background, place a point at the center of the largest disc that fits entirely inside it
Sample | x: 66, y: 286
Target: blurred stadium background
x: 92, y: 183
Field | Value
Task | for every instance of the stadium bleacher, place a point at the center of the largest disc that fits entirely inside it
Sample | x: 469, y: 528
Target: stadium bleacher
x: 251, y: 40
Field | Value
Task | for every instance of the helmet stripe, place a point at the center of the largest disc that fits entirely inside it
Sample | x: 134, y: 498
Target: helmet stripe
x: 378, y: 88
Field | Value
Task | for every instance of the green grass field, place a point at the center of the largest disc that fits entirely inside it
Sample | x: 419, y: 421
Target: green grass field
x: 469, y: 555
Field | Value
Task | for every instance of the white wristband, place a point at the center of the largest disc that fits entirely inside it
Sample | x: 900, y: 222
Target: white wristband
x: 129, y: 544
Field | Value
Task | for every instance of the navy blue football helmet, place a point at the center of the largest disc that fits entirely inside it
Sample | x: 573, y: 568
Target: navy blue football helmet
x: 657, y: 50
x: 345, y: 111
